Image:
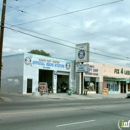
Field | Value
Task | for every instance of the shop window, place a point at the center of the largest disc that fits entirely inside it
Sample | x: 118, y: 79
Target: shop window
x: 90, y: 83
x: 116, y: 87
x: 112, y: 86
x: 91, y: 86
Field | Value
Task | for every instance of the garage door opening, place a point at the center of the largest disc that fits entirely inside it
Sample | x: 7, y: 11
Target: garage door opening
x: 46, y: 76
x: 62, y: 83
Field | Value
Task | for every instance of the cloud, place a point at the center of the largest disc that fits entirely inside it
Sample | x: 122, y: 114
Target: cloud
x: 6, y: 49
x: 89, y: 24
x: 119, y: 39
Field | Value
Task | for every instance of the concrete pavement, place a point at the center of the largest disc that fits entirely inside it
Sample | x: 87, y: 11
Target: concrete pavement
x: 55, y: 97
x: 64, y: 115
x: 64, y: 96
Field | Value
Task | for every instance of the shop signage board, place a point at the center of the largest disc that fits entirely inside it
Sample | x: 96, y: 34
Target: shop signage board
x: 47, y: 63
x: 121, y: 71
x: 82, y: 52
x: 43, y: 85
x: 92, y: 71
x: 82, y: 68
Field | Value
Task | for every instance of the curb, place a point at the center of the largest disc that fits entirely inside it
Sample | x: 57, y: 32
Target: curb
x: 5, y: 99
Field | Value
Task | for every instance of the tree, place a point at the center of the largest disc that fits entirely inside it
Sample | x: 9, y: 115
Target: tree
x: 39, y: 52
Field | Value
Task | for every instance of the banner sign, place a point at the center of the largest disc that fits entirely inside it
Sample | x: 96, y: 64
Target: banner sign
x: 48, y: 64
x: 82, y: 68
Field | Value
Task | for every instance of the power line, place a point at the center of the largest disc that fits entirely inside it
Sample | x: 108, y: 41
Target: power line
x: 66, y: 26
x: 42, y: 34
x: 61, y: 43
x: 69, y: 12
x: 94, y: 48
x: 85, y: 31
x: 69, y: 41
x: 53, y: 21
x: 26, y: 7
x: 22, y: 11
x: 34, y: 4
x: 65, y: 40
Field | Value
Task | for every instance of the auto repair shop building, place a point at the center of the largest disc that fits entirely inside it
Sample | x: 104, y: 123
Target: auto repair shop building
x: 21, y: 73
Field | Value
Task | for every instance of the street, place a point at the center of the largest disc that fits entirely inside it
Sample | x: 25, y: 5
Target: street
x: 64, y: 115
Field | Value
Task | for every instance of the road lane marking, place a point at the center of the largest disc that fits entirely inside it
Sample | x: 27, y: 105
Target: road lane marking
x: 75, y: 123
x: 120, y: 101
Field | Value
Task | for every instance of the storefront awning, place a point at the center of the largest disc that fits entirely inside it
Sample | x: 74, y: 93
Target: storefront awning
x: 116, y: 79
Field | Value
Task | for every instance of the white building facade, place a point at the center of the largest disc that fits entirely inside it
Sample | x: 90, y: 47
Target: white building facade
x: 22, y: 73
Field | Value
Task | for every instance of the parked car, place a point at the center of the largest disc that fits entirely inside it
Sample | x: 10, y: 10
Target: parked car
x: 128, y: 95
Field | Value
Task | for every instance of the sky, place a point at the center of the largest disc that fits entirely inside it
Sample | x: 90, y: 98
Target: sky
x: 106, y: 27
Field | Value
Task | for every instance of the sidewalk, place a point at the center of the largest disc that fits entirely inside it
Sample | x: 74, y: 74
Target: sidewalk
x: 56, y: 97
x: 84, y: 97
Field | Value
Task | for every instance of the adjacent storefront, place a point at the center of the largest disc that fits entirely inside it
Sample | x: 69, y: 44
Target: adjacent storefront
x: 92, y: 79
x: 115, y: 78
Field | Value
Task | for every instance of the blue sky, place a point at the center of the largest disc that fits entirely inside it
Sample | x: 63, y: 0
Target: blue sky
x: 106, y: 28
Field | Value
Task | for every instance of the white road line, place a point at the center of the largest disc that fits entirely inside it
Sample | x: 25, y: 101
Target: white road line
x: 119, y: 101
x: 75, y: 123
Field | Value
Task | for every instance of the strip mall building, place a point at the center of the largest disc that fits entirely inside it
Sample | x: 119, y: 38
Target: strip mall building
x: 22, y: 73
x: 115, y: 78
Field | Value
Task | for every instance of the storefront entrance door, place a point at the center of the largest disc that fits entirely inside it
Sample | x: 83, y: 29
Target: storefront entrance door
x: 123, y: 87
x: 29, y: 85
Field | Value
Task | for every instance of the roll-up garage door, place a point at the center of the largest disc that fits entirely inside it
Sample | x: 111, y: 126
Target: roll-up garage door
x: 62, y: 73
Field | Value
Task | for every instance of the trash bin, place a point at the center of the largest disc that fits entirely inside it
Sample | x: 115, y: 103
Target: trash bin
x: 69, y: 92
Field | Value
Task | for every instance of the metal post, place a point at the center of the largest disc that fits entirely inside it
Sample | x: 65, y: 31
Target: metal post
x: 2, y: 35
x: 81, y: 81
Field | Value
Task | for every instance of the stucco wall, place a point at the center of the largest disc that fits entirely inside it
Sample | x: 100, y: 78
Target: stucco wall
x: 116, y: 71
x: 12, y: 74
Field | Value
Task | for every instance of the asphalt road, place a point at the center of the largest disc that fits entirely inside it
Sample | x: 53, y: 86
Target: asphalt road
x: 64, y: 115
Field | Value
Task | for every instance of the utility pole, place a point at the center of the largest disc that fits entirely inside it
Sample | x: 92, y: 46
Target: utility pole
x: 2, y: 35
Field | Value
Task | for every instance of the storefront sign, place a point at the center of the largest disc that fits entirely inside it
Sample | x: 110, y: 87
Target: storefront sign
x: 92, y: 71
x: 82, y: 68
x: 122, y: 71
x: 47, y: 64
x: 82, y: 52
x: 43, y: 86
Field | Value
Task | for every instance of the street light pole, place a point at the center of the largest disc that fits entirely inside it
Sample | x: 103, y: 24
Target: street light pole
x: 2, y: 35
